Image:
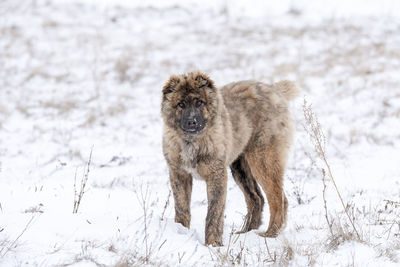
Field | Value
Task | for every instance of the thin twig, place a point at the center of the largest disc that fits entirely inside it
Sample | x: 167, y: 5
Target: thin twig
x: 143, y: 201
x: 75, y: 192
x: 272, y: 259
x: 325, y: 202
x: 166, y: 205
x: 78, y: 196
x: 229, y: 243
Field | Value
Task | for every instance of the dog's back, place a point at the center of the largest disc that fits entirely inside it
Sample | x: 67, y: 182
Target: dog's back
x: 253, y: 94
x: 258, y: 110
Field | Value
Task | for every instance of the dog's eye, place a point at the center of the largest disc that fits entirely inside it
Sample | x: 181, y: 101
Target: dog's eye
x: 181, y: 105
x: 199, y: 103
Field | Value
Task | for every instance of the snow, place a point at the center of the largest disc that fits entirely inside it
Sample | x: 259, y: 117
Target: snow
x: 81, y: 75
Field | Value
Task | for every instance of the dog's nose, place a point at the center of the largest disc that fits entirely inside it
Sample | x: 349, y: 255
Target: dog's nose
x: 191, y: 123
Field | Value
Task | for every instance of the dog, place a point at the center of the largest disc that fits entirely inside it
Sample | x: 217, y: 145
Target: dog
x: 245, y: 125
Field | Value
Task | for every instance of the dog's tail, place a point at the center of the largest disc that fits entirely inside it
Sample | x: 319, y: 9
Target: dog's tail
x: 288, y: 89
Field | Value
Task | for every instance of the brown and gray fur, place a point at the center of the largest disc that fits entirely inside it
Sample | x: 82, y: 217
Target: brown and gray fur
x: 248, y: 128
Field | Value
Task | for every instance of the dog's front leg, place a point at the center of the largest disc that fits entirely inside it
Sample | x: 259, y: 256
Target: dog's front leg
x: 181, y: 184
x: 215, y: 176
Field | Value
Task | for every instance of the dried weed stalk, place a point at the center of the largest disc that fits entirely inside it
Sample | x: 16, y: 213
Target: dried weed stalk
x: 143, y: 199
x: 325, y: 202
x: 79, y: 195
x: 166, y: 205
x: 317, y: 137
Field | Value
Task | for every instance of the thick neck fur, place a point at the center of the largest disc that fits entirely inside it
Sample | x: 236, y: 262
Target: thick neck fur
x: 209, y: 142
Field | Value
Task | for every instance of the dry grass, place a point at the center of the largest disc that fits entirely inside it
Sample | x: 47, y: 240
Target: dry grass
x: 229, y: 256
x: 35, y: 209
x: 147, y: 244
x: 85, y: 256
x: 8, y: 246
x: 78, y: 195
x: 341, y: 231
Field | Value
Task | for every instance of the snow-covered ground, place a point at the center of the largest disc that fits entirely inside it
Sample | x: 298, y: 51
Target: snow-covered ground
x: 77, y: 76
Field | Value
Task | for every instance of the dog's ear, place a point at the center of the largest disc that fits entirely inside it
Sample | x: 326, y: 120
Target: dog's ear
x: 170, y: 85
x: 202, y: 80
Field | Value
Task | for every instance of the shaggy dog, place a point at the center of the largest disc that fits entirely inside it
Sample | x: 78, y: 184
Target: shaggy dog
x: 244, y: 125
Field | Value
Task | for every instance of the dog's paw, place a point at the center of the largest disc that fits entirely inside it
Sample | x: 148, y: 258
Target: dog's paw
x: 215, y: 244
x: 269, y: 234
x: 243, y: 230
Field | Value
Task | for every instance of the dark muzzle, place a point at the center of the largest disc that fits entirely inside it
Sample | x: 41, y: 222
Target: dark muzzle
x: 192, y: 121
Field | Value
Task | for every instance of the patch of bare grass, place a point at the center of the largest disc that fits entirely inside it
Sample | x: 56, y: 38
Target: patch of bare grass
x: 35, y: 209
x: 62, y: 107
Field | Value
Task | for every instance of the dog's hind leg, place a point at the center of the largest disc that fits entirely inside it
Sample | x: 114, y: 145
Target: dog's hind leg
x: 254, y: 199
x: 267, y: 165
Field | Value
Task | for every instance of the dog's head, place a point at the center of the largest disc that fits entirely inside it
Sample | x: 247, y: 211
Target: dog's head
x: 188, y: 103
